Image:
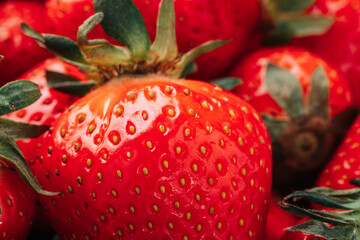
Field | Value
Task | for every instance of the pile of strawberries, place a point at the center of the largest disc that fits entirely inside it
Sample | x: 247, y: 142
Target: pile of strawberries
x: 106, y: 134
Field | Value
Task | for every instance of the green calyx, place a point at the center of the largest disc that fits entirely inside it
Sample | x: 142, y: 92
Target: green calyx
x: 15, y: 96
x: 286, y: 19
x: 122, y: 21
x: 305, y: 139
x: 345, y: 223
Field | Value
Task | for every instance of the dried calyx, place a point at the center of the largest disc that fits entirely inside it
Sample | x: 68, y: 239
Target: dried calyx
x: 305, y: 139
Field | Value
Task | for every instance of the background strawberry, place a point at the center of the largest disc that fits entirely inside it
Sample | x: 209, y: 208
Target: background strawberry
x: 20, y: 51
x: 49, y: 106
x: 300, y: 97
x: 235, y: 20
x: 148, y: 156
x: 17, y: 204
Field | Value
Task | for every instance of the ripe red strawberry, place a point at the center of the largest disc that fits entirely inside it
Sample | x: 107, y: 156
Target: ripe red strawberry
x: 300, y: 98
x: 332, y: 24
x: 345, y: 164
x: 20, y: 51
x: 277, y: 220
x: 17, y: 205
x: 49, y: 106
x: 235, y: 20
x: 146, y: 156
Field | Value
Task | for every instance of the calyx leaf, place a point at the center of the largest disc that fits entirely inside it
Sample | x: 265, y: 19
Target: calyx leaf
x: 227, y: 83
x: 305, y: 26
x: 19, y: 130
x: 67, y: 84
x: 292, y: 5
x: 17, y: 94
x: 124, y: 23
x: 285, y: 89
x: 11, y: 152
x: 319, y: 94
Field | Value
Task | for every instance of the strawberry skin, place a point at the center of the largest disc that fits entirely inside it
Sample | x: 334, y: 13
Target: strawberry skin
x: 342, y: 39
x: 155, y: 158
x: 235, y: 20
x: 344, y: 166
x: 49, y: 106
x: 20, y: 52
x: 17, y: 205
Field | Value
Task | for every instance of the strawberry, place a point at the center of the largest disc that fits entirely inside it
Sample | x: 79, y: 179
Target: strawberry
x: 17, y: 205
x: 277, y: 220
x: 235, y: 20
x: 49, y: 106
x: 302, y: 100
x: 336, y: 27
x: 147, y: 156
x: 345, y: 163
x: 20, y: 51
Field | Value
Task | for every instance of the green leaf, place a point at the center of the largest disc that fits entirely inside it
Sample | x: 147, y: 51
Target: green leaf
x: 319, y: 229
x: 194, y: 53
x: 275, y: 127
x: 11, y: 152
x: 330, y: 198
x: 17, y: 95
x: 99, y: 51
x: 285, y: 89
x: 165, y: 46
x: 319, y: 94
x: 124, y: 23
x: 188, y: 69
x: 19, y: 131
x: 293, y: 5
x: 227, y: 83
x: 305, y: 26
x: 62, y: 47
x: 67, y: 84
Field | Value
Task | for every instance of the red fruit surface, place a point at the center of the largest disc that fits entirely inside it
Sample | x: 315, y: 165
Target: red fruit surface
x: 17, y: 205
x: 301, y: 63
x: 49, y: 106
x: 277, y: 220
x: 343, y: 39
x: 345, y: 164
x: 197, y: 21
x: 300, y: 235
x: 156, y: 158
x: 20, y: 52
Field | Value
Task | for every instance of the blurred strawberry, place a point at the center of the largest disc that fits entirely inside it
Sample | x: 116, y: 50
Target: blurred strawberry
x: 20, y: 51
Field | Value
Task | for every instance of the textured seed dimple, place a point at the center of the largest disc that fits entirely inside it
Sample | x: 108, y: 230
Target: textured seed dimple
x: 132, y: 129
x: 155, y: 207
x: 241, y: 222
x: 234, y: 160
x: 252, y: 151
x: 131, y: 95
x: 226, y: 129
x: 57, y: 172
x: 252, y: 182
x: 187, y: 132
x: 77, y: 146
x: 150, y: 225
x: 171, y: 112
x: 240, y: 141
x: 132, y: 209
x: 50, y: 150
x: 219, y: 225
x: 257, y: 116
x: 79, y: 180
x: 128, y: 155
x: 222, y: 143
x: 211, y: 210
x: 94, y: 195
x: 151, y: 94
x: 63, y: 132
x: 70, y: 189
x: 166, y: 164
x: 168, y: 89
x: 188, y: 216
x: 114, y: 193
x: 64, y: 158
x: 182, y: 181
x: 245, y: 110
x: 197, y: 197
x: 111, y: 210
x: 198, y: 227
x: 231, y: 112
x: 162, y: 189
x: 191, y: 112
x: 115, y: 139
x: 102, y: 218
x: 219, y: 166
x: 185, y: 238
x: 249, y: 128
x: 223, y: 195
x: 145, y: 171
x: 162, y: 128
x: 203, y: 150
x: 99, y: 176
x: 178, y: 150
x: 91, y: 128
x: 149, y: 145
x: 177, y: 204
x: 144, y: 116
x: 119, y: 111
x: 170, y: 225
x: 243, y: 171
x: 119, y: 232
x: 131, y: 227
x: 187, y: 92
x: 81, y: 118
x: 194, y: 167
x: 210, y: 181
x: 137, y: 190
x: 205, y: 104
x: 88, y: 162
